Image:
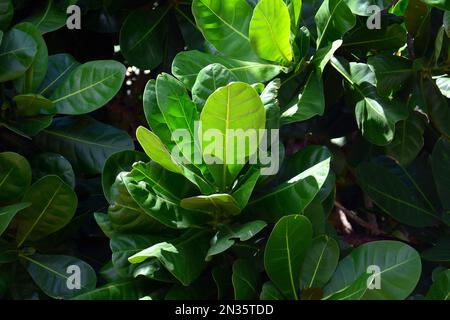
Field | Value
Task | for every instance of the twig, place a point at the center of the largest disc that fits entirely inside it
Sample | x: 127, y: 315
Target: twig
x: 353, y: 216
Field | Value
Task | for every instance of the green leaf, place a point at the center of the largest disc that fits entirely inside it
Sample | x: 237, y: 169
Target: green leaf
x: 51, y: 15
x: 389, y: 37
x: 30, y: 82
x: 219, y: 204
x: 245, y: 280
x: 28, y: 127
x: 142, y: 36
x: 440, y: 4
x: 156, y: 150
x: 52, y: 163
x: 227, y: 236
x: 7, y: 214
x: 6, y: 13
x: 53, y: 204
x: 333, y: 19
x: 54, y: 273
x: 104, y: 223
x: 184, y: 257
x: 233, y: 107
x: 436, y: 106
x: 124, y: 246
x: 294, y: 7
x: 408, y: 139
x: 59, y: 67
x: 128, y: 289
x: 271, y: 104
x: 89, y: 87
x: 29, y: 105
x: 222, y: 277
x: 391, y: 72
x: 311, y: 101
x: 305, y: 175
x: 270, y: 292
x: 209, y: 79
x: 270, y: 31
x: 360, y: 7
x: 121, y: 161
x: 399, y: 264
x: 440, y: 161
x: 447, y: 23
x: 285, y: 251
x: 84, y: 141
x: 125, y: 215
x: 225, y: 25
x: 187, y: 65
x: 17, y: 52
x: 15, y: 176
x: 159, y: 192
x: 440, y: 289
x: 320, y: 262
x: 376, y: 116
x: 393, y: 196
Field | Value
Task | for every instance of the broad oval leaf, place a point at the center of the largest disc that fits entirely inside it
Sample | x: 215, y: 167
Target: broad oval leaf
x: 89, y: 87
x: 53, y: 204
x: 320, y: 262
x: 285, y: 250
x: 270, y: 31
x: 7, y: 213
x: 187, y: 65
x: 84, y: 141
x: 59, y: 67
x: 50, y: 15
x: 399, y: 270
x: 156, y: 150
x: 246, y: 280
x: 29, y: 105
x: 52, y: 273
x: 209, y: 79
x: 234, y: 107
x: 17, y: 52
x: 141, y: 36
x: 395, y: 197
x: 225, y: 25
x: 15, y: 175
x: 51, y: 163
x: 333, y: 19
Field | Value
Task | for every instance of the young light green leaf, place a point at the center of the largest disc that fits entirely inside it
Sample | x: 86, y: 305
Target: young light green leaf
x: 270, y: 31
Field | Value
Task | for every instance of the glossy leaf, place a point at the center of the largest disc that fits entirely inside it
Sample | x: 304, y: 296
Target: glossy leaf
x: 51, y: 15
x: 52, y: 273
x: 270, y: 31
x: 88, y: 87
x: 399, y: 264
x: 84, y: 141
x: 245, y: 280
x: 53, y: 204
x: 320, y: 262
x: 184, y: 257
x: 225, y: 25
x: 59, y: 67
x: 333, y: 20
x: 285, y: 251
x: 209, y: 79
x: 187, y: 65
x: 17, y: 52
x: 227, y: 235
x: 15, y: 175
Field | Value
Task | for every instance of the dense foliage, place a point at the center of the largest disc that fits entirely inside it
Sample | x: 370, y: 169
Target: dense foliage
x: 88, y: 177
